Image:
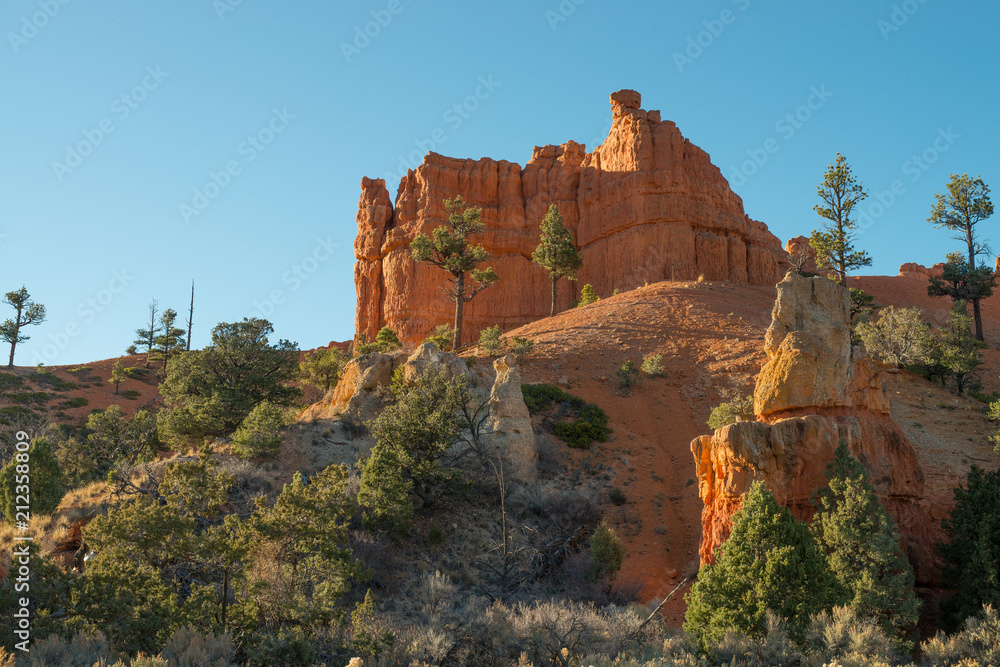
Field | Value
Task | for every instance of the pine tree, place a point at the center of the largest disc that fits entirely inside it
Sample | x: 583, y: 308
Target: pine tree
x: 449, y: 249
x: 47, y: 482
x: 170, y: 341
x: 260, y: 434
x: 411, y: 453
x: 119, y: 374
x: 28, y: 313
x: 834, y: 245
x: 556, y: 252
x: 588, y: 295
x: 863, y: 550
x: 211, y: 391
x: 770, y: 561
x: 966, y: 205
x: 972, y: 552
x: 960, y: 282
x: 959, y: 354
x: 147, y: 337
x: 322, y: 367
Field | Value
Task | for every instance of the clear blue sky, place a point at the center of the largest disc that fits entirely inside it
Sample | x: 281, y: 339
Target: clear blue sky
x: 158, y: 97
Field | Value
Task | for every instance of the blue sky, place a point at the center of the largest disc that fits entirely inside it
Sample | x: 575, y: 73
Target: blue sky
x: 149, y: 144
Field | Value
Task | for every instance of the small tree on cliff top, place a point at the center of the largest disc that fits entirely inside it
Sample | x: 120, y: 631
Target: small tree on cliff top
x: 556, y: 253
x: 449, y: 248
x: 834, y: 245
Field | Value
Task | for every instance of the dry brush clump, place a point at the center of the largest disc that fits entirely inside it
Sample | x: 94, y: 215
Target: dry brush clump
x: 185, y: 648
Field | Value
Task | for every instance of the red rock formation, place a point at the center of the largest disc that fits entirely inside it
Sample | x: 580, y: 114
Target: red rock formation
x: 646, y: 205
x: 798, y: 249
x: 914, y: 270
x: 65, y: 552
x: 815, y: 390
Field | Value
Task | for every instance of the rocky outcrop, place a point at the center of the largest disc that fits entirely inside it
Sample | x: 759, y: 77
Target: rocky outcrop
x: 914, y: 270
x: 644, y: 206
x: 356, y: 395
x: 428, y: 357
x: 70, y: 552
x: 814, y: 391
x: 509, y: 423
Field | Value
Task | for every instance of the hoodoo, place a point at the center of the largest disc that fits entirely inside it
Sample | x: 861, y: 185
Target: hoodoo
x: 646, y: 205
x: 815, y: 390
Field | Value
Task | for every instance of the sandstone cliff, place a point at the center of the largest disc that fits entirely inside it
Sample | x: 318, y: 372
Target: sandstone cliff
x: 644, y: 206
x: 815, y: 390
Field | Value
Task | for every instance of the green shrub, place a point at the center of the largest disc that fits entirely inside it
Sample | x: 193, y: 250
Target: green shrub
x: 540, y: 397
x: 442, y: 336
x: 30, y: 397
x: 626, y: 375
x: 413, y: 453
x: 985, y: 398
x: 588, y: 295
x: 591, y: 426
x: 78, y: 402
x: 606, y: 554
x: 739, y: 409
x: 130, y: 394
x: 652, y: 364
x: 46, y: 482
x: 17, y: 412
x: 48, y: 379
x: 10, y: 381
x: 590, y: 423
x: 900, y: 336
x: 260, y: 433
x: 522, y: 347
x: 617, y: 496
x: 322, y: 367
x: 490, y: 341
x: 386, y: 340
x: 770, y: 562
x: 972, y: 552
x: 863, y: 552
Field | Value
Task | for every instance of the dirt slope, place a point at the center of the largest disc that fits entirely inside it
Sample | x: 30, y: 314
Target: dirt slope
x: 709, y: 333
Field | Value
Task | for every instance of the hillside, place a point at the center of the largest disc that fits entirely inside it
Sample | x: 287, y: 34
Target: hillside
x: 711, y: 336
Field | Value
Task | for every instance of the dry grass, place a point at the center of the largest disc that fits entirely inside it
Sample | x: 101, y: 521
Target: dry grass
x: 94, y: 496
x: 45, y: 531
